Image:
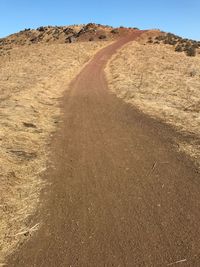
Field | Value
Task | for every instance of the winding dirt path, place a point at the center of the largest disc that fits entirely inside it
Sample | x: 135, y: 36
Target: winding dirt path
x: 120, y: 194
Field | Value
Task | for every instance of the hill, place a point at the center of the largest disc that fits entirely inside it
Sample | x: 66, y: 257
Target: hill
x: 158, y: 73
x: 63, y: 34
x: 33, y: 78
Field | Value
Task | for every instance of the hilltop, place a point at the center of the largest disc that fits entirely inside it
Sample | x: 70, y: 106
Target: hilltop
x: 92, y: 32
x: 64, y: 34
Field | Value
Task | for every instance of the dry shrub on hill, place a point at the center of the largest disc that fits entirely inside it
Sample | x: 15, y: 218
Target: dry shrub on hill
x: 190, y: 47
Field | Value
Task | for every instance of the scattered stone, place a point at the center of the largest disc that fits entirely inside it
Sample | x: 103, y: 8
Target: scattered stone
x: 191, y: 51
x: 71, y: 39
x: 33, y: 40
x: 102, y: 36
x: 69, y: 31
x: 180, y: 44
x: 60, y: 34
x: 29, y: 125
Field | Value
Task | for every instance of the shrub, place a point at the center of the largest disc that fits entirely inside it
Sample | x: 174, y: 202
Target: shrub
x: 179, y: 48
x: 160, y: 38
x: 182, y: 41
x: 191, y: 51
x: 150, y: 41
x: 172, y: 42
x: 102, y: 36
x: 166, y: 41
x: 34, y: 40
x: 90, y: 25
x: 195, y: 45
x: 41, y: 29
x: 115, y: 31
x: 181, y: 44
x: 68, y: 30
x: 187, y: 46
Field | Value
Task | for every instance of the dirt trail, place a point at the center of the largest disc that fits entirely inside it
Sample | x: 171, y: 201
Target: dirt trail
x: 120, y: 194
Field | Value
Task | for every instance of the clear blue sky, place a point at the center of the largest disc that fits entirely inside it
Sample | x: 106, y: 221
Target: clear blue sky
x: 178, y: 16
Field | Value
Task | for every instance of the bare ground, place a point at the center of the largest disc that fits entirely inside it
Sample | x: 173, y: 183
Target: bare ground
x: 32, y: 80
x: 162, y: 83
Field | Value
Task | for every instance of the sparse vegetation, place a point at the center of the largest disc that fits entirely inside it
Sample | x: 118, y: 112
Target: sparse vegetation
x: 162, y: 83
x: 150, y: 41
x: 191, y: 51
x: 115, y: 31
x: 32, y: 79
x: 102, y: 36
x: 179, y: 44
x: 41, y: 29
x: 179, y: 48
x: 62, y: 34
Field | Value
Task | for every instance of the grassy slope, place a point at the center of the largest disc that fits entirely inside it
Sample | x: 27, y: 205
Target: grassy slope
x: 162, y: 83
x: 32, y: 79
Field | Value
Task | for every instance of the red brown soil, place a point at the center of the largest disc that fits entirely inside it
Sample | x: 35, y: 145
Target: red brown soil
x: 120, y: 194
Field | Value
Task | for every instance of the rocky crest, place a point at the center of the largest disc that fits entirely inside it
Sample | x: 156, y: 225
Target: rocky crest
x: 63, y: 34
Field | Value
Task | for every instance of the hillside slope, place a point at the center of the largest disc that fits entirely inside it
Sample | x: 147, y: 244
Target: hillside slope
x: 32, y: 81
x: 120, y: 194
x: 64, y: 34
x: 36, y: 67
x: 162, y: 82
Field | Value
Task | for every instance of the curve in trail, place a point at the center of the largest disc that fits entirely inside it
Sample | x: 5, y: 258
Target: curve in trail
x: 120, y: 194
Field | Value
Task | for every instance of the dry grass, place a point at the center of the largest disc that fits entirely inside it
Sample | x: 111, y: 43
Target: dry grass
x: 32, y: 79
x: 163, y: 84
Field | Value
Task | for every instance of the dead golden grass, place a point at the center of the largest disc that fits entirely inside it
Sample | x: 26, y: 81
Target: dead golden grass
x: 32, y: 79
x: 162, y: 83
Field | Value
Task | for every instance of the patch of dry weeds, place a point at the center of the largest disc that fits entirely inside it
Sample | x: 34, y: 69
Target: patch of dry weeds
x: 162, y: 83
x: 32, y: 80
